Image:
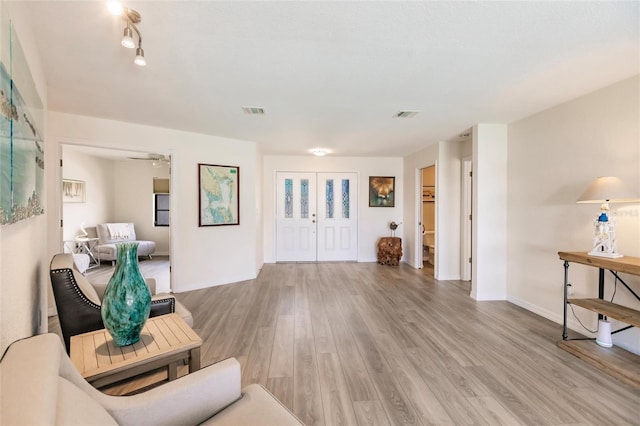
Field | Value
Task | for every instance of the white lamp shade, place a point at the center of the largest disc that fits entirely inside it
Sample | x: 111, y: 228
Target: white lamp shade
x: 607, y: 189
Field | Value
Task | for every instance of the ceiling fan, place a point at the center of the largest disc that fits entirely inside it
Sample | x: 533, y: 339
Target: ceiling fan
x: 157, y: 160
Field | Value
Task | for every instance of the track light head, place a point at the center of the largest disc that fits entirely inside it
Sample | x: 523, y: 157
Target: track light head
x: 127, y: 38
x: 140, y: 60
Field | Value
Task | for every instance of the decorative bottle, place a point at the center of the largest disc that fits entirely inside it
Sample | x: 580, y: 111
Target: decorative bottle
x: 127, y: 300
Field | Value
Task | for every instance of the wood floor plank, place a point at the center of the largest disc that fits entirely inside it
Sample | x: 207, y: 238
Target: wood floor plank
x: 398, y: 347
x: 427, y: 407
x: 282, y: 388
x: 357, y: 377
x: 307, y: 397
x: 256, y: 369
x: 492, y: 412
x: 503, y: 392
x: 303, y: 327
x: 338, y: 407
x: 321, y: 329
x: 370, y: 413
x: 393, y: 399
x: 282, y: 354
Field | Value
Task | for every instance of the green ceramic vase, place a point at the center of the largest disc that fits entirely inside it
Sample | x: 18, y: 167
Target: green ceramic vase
x: 127, y: 300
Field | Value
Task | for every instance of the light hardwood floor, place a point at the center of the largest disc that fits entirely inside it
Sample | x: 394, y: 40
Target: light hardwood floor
x: 364, y: 344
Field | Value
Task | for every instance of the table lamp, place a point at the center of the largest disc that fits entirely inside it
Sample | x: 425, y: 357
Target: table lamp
x: 605, y: 190
x: 84, y: 236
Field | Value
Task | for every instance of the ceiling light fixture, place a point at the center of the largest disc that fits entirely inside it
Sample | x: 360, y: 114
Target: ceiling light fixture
x: 131, y: 17
x: 320, y: 152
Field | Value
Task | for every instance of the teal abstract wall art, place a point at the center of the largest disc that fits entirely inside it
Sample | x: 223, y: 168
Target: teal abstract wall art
x: 21, y: 132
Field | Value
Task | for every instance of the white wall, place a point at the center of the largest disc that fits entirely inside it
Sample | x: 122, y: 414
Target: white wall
x: 448, y: 201
x: 133, y: 200
x: 489, y: 225
x: 373, y: 222
x: 23, y: 295
x: 201, y: 256
x: 553, y: 156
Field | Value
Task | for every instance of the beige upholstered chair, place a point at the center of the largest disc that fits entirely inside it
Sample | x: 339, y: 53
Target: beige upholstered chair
x: 40, y: 386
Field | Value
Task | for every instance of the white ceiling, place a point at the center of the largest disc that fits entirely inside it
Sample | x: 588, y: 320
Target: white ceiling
x: 332, y: 74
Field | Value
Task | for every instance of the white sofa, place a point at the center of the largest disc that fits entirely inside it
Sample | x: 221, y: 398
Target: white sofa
x: 40, y: 386
x: 109, y: 234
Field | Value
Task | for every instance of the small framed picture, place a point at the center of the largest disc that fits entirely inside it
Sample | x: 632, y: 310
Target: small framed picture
x: 382, y: 191
x: 73, y: 191
x: 218, y: 195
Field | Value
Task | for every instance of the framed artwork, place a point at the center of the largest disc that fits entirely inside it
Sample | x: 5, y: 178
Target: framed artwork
x: 21, y: 132
x: 218, y: 196
x: 382, y: 191
x: 73, y: 191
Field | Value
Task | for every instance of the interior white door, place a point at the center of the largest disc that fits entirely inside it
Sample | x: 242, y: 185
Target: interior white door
x: 337, y: 217
x: 296, y: 217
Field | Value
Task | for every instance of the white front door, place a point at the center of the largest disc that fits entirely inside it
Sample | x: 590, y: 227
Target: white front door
x: 296, y: 217
x: 337, y: 217
x: 316, y: 217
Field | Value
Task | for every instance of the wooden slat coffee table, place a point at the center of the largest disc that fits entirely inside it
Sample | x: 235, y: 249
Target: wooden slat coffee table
x: 165, y: 340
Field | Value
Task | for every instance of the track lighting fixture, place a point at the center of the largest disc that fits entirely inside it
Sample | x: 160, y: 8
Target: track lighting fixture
x: 131, y: 17
x: 127, y: 38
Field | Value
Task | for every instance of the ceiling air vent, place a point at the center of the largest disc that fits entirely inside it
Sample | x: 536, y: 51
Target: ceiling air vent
x: 405, y: 114
x: 253, y: 110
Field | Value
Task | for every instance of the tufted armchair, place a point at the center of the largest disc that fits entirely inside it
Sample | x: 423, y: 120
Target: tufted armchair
x: 78, y: 302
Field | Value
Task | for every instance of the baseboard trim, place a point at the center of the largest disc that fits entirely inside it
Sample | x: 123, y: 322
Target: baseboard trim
x: 572, y: 324
x: 448, y: 277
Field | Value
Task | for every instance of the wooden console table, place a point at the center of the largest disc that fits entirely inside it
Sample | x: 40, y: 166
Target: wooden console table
x: 165, y: 340
x: 615, y: 361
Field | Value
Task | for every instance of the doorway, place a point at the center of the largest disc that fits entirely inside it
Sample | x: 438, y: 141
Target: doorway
x: 428, y: 219
x: 316, y: 217
x: 119, y: 187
